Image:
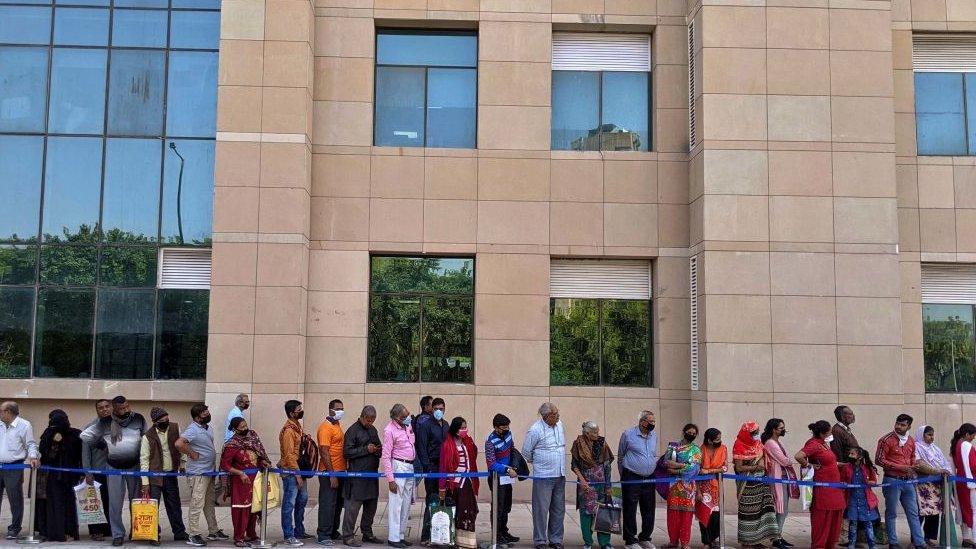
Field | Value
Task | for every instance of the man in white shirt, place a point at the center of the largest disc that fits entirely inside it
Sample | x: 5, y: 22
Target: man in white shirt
x: 17, y: 445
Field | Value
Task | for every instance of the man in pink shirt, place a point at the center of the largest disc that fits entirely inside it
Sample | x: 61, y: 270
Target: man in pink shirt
x: 397, y: 457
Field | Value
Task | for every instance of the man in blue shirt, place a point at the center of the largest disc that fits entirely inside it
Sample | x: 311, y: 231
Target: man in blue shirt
x: 430, y: 434
x: 545, y: 449
x: 241, y: 403
x: 197, y: 444
x: 636, y: 460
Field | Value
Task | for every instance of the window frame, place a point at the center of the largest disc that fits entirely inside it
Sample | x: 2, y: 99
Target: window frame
x: 965, y: 113
x: 956, y: 390
x: 599, y: 99
x: 426, y: 32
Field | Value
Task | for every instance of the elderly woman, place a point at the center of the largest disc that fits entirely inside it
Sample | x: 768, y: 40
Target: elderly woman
x: 241, y: 452
x: 930, y: 461
x: 591, y: 459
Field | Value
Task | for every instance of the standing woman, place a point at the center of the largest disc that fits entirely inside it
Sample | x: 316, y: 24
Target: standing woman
x: 242, y: 451
x: 964, y: 457
x: 757, y: 512
x: 780, y: 466
x: 591, y: 459
x: 827, y: 511
x: 60, y: 447
x: 460, y: 455
x: 715, y: 458
x: 683, y: 459
x: 930, y: 461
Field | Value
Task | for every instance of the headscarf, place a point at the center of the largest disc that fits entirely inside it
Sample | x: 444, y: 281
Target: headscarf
x: 930, y: 453
x: 58, y: 427
x: 747, y: 448
x: 583, y: 451
x: 248, y: 442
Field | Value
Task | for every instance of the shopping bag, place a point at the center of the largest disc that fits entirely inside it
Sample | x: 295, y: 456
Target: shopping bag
x: 274, y: 491
x: 145, y: 520
x: 88, y: 504
x: 441, y: 524
x: 806, y: 491
x: 466, y: 539
x: 608, y: 518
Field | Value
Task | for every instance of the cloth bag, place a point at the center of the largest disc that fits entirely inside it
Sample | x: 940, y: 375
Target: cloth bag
x: 806, y: 491
x: 274, y: 491
x: 88, y: 504
x: 145, y: 520
x: 466, y: 539
x: 608, y: 517
x: 442, y: 525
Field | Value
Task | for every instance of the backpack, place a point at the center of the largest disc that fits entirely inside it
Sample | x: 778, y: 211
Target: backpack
x: 308, y: 454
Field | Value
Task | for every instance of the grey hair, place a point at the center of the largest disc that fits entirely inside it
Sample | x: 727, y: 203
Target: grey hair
x: 11, y: 406
x: 590, y: 426
x: 240, y: 398
x: 546, y: 408
x: 644, y: 414
x: 368, y: 411
x: 396, y: 410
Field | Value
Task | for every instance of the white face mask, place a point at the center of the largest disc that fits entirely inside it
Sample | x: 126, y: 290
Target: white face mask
x: 829, y: 439
x: 339, y: 414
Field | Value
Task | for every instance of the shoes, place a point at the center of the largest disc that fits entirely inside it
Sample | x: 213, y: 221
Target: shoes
x: 12, y: 535
x: 336, y: 536
x: 507, y: 538
x: 306, y: 535
x: 181, y: 537
x: 372, y: 539
x: 406, y: 543
x: 352, y: 542
x: 541, y: 547
x: 326, y: 543
x: 118, y: 542
x: 155, y: 543
x: 555, y: 546
x: 293, y: 542
x: 196, y: 541
x: 647, y: 544
x: 587, y: 547
x: 786, y: 543
x: 633, y: 546
x: 397, y: 544
x: 219, y: 535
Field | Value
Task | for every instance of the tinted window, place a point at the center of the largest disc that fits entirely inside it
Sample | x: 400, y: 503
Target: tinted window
x: 575, y: 107
x: 16, y: 322
x: 191, y: 102
x: 447, y: 340
x: 422, y: 275
x: 451, y: 107
x: 127, y: 266
x: 20, y: 186
x: 430, y: 49
x: 23, y: 84
x: 940, y: 113
x: 194, y: 30
x: 25, y: 25
x: 77, y: 91
x: 574, y: 346
x: 600, y: 111
x: 181, y: 344
x: 139, y: 28
x: 948, y: 337
x: 124, y: 342
x: 72, y: 183
x: 400, y: 106
x: 140, y: 3
x: 63, y: 344
x: 130, y: 200
x: 69, y: 265
x: 188, y: 198
x: 394, y: 338
x: 625, y: 111
x: 18, y: 264
x: 80, y: 27
x: 135, y: 98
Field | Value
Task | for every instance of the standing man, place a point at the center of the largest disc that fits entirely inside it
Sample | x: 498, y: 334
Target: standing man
x: 397, y: 456
x: 96, y: 457
x: 293, y: 488
x: 896, y: 455
x: 430, y: 438
x: 426, y: 410
x: 241, y: 403
x: 17, y: 445
x: 330, y: 439
x: 636, y: 460
x: 121, y: 435
x: 158, y: 453
x: 844, y: 438
x: 197, y: 444
x: 498, y: 456
x: 361, y: 447
x: 545, y: 449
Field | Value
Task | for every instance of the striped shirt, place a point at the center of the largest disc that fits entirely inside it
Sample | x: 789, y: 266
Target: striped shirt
x: 498, y: 451
x: 545, y: 449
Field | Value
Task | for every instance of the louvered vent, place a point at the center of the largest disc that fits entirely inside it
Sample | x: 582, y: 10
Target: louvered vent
x: 590, y: 51
x: 944, y: 52
x: 949, y: 283
x: 594, y: 278
x: 693, y: 354
x: 185, y: 268
x: 692, y: 134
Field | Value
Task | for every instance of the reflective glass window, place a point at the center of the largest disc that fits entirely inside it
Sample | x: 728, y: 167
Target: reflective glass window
x: 25, y: 25
x: 72, y: 184
x: 940, y: 113
x: 195, y: 30
x: 81, y: 2
x: 575, y: 108
x: 625, y: 342
x: 130, y: 196
x: 394, y: 338
x: 77, y: 91
x: 198, y: 4
x: 63, y: 343
x: 127, y: 266
x: 447, y: 344
x: 181, y: 327
x: 135, y: 97
x: 451, y: 107
x: 427, y: 48
x: 139, y: 28
x: 191, y: 101
x: 81, y: 26
x: 16, y: 326
x: 600, y: 111
x: 20, y: 186
x: 188, y: 183
x: 69, y: 265
x: 625, y: 111
x: 23, y: 89
x: 124, y: 338
x: 25, y: 2
x: 574, y: 341
x: 18, y: 264
x: 948, y: 348
x: 141, y: 3
x: 400, y: 106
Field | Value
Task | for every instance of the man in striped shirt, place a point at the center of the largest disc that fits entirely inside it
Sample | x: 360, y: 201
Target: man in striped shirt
x: 545, y: 449
x: 498, y: 455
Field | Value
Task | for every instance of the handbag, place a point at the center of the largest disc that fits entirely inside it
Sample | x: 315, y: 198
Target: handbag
x: 806, y: 491
x: 519, y: 464
x: 608, y: 517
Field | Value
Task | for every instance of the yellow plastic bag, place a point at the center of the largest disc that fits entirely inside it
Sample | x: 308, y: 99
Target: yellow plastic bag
x: 274, y: 492
x: 145, y: 520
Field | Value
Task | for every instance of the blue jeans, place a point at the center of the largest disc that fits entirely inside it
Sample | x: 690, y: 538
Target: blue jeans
x: 293, y: 502
x: 905, y: 494
x: 852, y: 533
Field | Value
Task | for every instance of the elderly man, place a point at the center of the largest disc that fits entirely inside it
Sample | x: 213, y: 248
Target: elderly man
x: 545, y: 449
x: 636, y: 460
x: 397, y: 456
x: 17, y: 445
x: 844, y: 438
x: 361, y: 447
x: 241, y: 403
x: 158, y: 453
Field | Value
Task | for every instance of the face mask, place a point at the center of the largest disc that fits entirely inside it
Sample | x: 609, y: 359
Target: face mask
x: 205, y: 420
x: 339, y: 414
x: 438, y: 414
x: 125, y: 415
x: 782, y: 433
x: 300, y: 415
x: 406, y: 421
x: 757, y: 437
x: 240, y: 432
x: 650, y: 427
x: 462, y: 433
x: 162, y: 425
x: 246, y: 406
x: 829, y: 439
x: 717, y: 443
x: 690, y: 437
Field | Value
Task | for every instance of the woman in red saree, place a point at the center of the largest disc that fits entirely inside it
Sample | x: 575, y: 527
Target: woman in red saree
x: 459, y: 454
x: 243, y: 451
x: 964, y: 458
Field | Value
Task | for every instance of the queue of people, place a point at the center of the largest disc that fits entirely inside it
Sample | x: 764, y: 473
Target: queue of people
x: 119, y: 439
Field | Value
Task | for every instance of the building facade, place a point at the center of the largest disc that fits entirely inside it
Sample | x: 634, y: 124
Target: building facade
x: 718, y: 211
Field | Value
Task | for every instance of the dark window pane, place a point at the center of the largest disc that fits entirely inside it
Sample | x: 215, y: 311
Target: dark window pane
x: 68, y: 265
x: 77, y: 91
x: 451, y: 107
x: 574, y: 342
x: 626, y: 342
x: 625, y: 111
x: 16, y: 322
x: 18, y: 264
x: 20, y: 187
x: 124, y: 342
x: 422, y: 275
x: 432, y: 49
x: 198, y: 30
x: 188, y: 198
x: 948, y: 348
x: 191, y: 102
x: 23, y: 89
x: 127, y: 266
x: 394, y: 338
x: 135, y: 98
x: 939, y: 113
x: 63, y: 344
x: 139, y: 28
x: 25, y: 25
x: 447, y: 344
x: 71, y: 189
x: 181, y: 347
x: 81, y: 26
x: 399, y: 107
x: 130, y: 203
x: 575, y: 110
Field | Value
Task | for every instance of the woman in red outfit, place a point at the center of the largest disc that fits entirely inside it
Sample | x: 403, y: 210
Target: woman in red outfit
x: 243, y: 451
x: 827, y: 511
x: 459, y: 454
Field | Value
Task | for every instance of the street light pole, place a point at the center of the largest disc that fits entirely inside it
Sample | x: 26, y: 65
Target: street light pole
x: 179, y: 192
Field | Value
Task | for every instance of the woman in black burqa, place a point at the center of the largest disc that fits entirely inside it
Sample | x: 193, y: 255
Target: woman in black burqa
x: 60, y: 447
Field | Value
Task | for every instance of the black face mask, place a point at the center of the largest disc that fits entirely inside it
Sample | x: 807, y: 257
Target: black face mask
x: 299, y: 415
x: 162, y: 425
x: 650, y: 427
x: 240, y: 432
x: 690, y: 437
x: 125, y: 416
x: 205, y: 420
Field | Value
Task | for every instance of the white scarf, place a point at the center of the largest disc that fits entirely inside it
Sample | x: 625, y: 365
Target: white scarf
x: 902, y: 439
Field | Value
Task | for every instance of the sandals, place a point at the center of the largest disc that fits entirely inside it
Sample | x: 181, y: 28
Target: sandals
x: 241, y: 543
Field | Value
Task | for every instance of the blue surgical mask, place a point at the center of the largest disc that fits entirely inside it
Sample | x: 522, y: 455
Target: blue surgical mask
x: 406, y: 421
x: 438, y: 414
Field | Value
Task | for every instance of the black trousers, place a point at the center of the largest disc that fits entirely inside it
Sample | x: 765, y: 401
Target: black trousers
x: 102, y: 529
x: 330, y: 508
x: 504, y: 506
x: 170, y: 492
x: 711, y: 532
x: 637, y: 496
x: 930, y: 525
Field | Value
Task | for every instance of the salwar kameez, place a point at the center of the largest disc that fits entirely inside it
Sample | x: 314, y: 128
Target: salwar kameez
x: 682, y: 494
x: 591, y: 460
x: 964, y: 458
x: 243, y: 452
x: 827, y: 511
x: 707, y: 504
